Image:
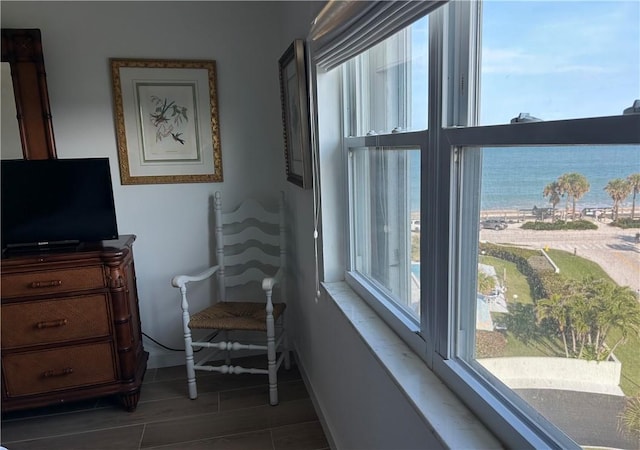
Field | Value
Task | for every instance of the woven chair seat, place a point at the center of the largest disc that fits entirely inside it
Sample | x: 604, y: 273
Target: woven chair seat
x: 248, y: 316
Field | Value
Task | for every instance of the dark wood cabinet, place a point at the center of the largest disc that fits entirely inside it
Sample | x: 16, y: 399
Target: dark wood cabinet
x: 71, y: 326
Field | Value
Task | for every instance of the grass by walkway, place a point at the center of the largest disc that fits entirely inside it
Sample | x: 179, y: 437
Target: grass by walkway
x: 509, y: 275
x: 629, y: 355
x: 576, y: 267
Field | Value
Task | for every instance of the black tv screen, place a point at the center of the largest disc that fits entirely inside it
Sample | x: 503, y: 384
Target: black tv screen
x: 56, y: 201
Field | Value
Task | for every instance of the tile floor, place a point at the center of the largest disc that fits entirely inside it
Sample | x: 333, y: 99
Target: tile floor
x: 231, y: 412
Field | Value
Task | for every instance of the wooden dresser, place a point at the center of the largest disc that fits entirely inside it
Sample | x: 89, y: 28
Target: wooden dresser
x: 71, y: 326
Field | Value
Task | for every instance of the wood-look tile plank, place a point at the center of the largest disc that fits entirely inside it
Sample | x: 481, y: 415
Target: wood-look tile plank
x: 150, y: 375
x: 169, y: 373
x: 259, y: 440
x: 231, y: 412
x: 300, y: 436
x: 82, y: 405
x: 231, y: 422
x: 108, y: 417
x: 123, y: 438
x: 207, y: 383
x: 257, y: 396
x: 161, y: 390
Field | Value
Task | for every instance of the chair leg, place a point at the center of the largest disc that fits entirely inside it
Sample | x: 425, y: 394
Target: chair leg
x: 273, y: 372
x: 188, y: 349
x: 271, y: 359
x: 191, y: 373
x: 285, y: 345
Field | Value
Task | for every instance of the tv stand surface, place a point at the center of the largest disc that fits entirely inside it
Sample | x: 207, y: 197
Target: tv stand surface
x: 71, y: 326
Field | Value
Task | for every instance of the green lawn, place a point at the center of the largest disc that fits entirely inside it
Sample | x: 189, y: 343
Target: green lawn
x: 516, y: 282
x: 628, y: 354
x: 576, y: 267
x: 536, y: 347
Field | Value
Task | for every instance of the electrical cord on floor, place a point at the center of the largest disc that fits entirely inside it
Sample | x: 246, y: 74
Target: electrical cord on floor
x: 176, y: 349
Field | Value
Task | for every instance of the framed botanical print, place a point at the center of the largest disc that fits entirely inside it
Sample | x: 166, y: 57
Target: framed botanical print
x: 167, y: 123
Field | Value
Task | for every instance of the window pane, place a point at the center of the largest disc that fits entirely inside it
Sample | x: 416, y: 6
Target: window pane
x: 559, y: 60
x: 556, y: 292
x: 387, y: 84
x: 385, y: 231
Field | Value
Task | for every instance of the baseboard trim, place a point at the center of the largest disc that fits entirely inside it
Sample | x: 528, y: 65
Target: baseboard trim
x: 314, y: 400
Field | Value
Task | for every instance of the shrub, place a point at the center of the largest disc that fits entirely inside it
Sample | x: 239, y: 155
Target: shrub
x: 520, y: 257
x: 560, y: 225
x: 540, y: 264
x: 626, y: 223
x: 629, y: 419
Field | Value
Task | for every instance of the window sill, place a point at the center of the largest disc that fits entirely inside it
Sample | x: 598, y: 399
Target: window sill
x: 451, y: 421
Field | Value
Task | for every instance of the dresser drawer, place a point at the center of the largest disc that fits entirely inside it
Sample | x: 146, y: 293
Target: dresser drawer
x: 54, y: 320
x: 62, y: 368
x: 52, y: 281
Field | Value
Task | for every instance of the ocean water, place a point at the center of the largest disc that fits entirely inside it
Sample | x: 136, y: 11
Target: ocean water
x: 514, y: 178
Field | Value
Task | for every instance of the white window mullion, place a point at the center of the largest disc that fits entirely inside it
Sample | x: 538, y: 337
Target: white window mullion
x: 434, y: 248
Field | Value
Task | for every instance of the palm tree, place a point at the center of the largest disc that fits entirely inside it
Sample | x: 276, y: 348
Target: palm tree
x: 618, y: 189
x: 554, y: 192
x: 581, y: 316
x: 564, y: 187
x: 629, y: 420
x: 578, y: 186
x: 634, y: 181
x: 555, y: 308
x: 574, y: 186
x: 622, y: 311
x: 486, y: 283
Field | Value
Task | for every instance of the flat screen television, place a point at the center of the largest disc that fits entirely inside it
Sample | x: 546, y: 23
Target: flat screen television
x: 54, y: 202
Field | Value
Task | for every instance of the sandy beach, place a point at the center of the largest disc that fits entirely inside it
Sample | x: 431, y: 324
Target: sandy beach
x: 614, y: 249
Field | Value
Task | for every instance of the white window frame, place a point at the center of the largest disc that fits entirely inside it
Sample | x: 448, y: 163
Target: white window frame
x: 407, y: 326
x: 449, y: 176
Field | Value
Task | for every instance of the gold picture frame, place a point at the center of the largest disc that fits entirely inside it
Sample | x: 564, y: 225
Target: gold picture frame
x: 295, y: 115
x: 166, y: 114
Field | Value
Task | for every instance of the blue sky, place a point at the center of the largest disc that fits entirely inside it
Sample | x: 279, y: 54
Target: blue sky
x: 559, y: 59
x: 552, y: 59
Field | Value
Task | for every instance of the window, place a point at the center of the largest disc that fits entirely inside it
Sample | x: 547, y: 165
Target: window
x: 509, y: 144
x: 385, y: 199
x: 387, y: 84
x: 385, y: 98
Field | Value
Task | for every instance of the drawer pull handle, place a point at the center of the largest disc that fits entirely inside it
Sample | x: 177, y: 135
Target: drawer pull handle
x: 51, y: 324
x: 46, y: 284
x: 59, y: 373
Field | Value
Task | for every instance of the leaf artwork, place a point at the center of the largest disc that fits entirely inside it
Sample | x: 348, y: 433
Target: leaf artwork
x: 168, y: 118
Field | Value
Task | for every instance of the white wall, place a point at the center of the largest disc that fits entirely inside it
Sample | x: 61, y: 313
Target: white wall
x: 171, y: 221
x: 361, y: 405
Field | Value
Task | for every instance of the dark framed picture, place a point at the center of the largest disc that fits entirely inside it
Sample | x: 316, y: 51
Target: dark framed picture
x: 295, y: 114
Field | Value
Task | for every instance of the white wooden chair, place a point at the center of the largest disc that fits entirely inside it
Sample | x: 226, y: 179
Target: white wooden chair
x: 249, y: 248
